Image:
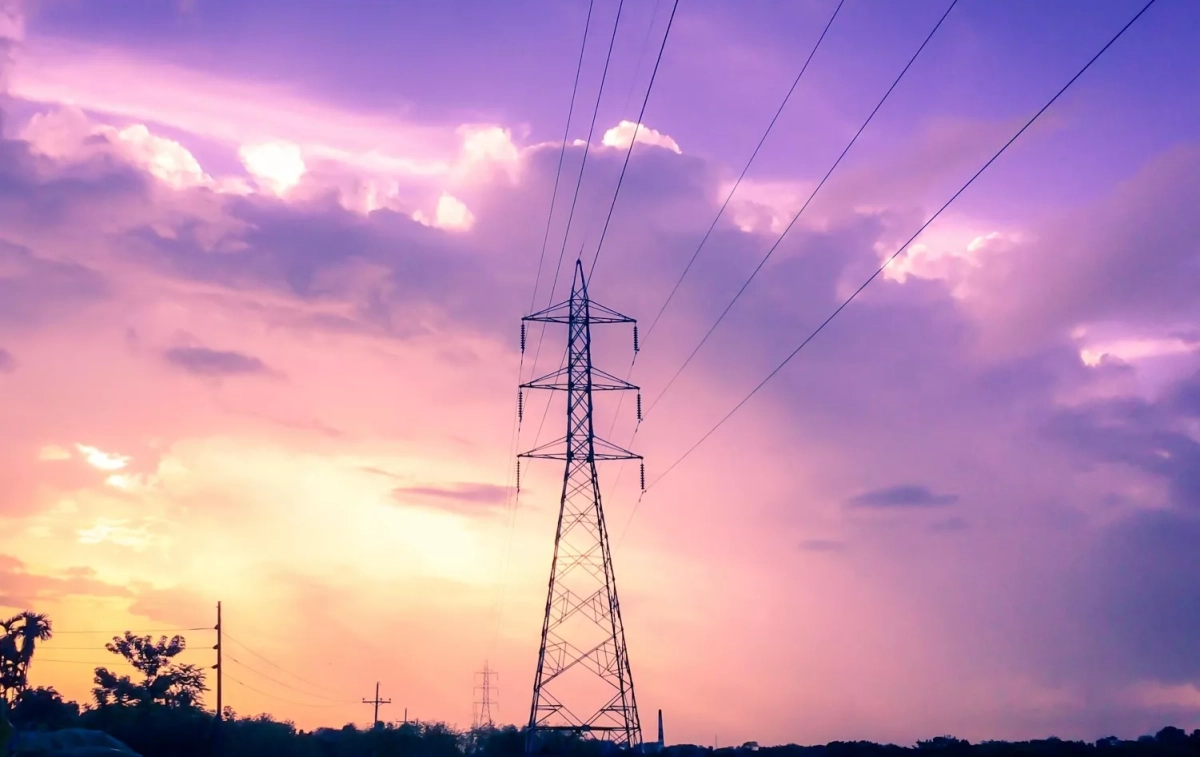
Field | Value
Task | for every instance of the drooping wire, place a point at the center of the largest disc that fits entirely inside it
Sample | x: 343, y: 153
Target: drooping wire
x: 579, y: 179
x: 225, y: 635
x: 511, y: 498
x: 803, y: 207
x: 905, y: 246
x: 286, y: 685
x: 632, y: 140
x: 712, y: 226
x: 562, y: 153
x: 248, y: 687
x: 136, y: 631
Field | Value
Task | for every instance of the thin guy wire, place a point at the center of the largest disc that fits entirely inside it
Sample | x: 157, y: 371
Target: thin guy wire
x: 579, y: 180
x: 562, y: 153
x: 803, y: 207
x: 745, y: 169
x: 632, y: 141
x: 893, y: 256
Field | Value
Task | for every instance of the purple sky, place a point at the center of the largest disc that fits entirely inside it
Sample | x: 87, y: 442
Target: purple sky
x: 261, y: 270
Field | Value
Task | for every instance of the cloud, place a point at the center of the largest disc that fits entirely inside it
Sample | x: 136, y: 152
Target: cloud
x: 451, y: 214
x: 67, y: 134
x: 35, y: 290
x: 902, y: 496
x: 347, y: 301
x: 466, y: 499
x: 277, y: 165
x: 23, y: 589
x: 100, y: 459
x: 8, y: 363
x: 623, y: 133
x: 202, y: 361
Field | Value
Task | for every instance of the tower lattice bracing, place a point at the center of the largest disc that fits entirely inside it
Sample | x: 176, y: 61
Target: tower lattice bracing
x: 583, y: 684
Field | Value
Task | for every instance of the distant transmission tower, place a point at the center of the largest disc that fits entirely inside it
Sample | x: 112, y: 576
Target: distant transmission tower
x: 583, y: 683
x: 483, y: 705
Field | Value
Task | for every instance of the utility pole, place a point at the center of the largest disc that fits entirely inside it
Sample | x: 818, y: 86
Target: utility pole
x: 376, y: 701
x: 583, y: 684
x: 482, y: 716
x: 218, y: 668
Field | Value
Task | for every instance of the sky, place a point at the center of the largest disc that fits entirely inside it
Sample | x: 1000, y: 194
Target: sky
x: 262, y: 267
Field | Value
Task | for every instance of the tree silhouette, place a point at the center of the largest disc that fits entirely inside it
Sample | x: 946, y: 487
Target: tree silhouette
x: 163, y: 681
x: 21, y: 634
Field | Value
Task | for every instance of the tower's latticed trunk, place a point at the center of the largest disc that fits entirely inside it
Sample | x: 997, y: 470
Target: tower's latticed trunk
x: 583, y: 682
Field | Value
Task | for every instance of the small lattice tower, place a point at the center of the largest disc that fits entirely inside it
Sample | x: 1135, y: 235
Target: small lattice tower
x: 483, y: 702
x: 583, y: 684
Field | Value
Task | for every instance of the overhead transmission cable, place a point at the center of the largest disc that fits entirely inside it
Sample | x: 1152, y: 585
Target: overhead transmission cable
x: 287, y: 685
x: 579, y: 180
x: 745, y: 169
x: 275, y: 665
x: 800, y: 212
x: 562, y: 153
x: 279, y: 698
x: 135, y: 631
x: 632, y: 140
x: 511, y: 496
x: 904, y: 246
x: 762, y: 140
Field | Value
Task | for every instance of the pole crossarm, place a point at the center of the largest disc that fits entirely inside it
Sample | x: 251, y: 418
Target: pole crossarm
x: 561, y: 313
x: 559, y: 450
x: 560, y: 380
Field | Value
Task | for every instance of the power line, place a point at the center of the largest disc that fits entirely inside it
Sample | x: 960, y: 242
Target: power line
x: 904, y: 246
x: 279, y: 698
x: 516, y: 427
x: 562, y: 154
x: 803, y: 207
x: 273, y: 664
x: 633, y: 139
x: 745, y: 169
x: 136, y: 631
x: 579, y: 180
x: 286, y: 685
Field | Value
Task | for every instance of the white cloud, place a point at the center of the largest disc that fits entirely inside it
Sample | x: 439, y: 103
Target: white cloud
x: 68, y: 134
x: 164, y: 158
x: 621, y: 135
x: 451, y: 214
x: 278, y: 166
x: 102, y: 460
x: 488, y: 143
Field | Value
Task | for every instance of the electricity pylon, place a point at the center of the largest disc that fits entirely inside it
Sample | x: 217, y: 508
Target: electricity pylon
x: 583, y: 683
x: 483, y: 705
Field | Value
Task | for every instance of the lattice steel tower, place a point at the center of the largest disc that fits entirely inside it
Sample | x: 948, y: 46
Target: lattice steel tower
x: 583, y: 683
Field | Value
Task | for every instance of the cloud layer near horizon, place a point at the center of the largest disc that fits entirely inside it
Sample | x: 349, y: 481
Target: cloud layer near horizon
x: 284, y: 378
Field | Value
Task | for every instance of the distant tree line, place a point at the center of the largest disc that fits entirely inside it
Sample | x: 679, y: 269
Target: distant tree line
x: 161, y: 713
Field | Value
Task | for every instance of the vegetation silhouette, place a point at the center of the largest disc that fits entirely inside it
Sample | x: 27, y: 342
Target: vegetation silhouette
x: 163, y: 715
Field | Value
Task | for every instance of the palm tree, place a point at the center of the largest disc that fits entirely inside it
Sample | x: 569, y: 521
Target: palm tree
x: 22, y: 633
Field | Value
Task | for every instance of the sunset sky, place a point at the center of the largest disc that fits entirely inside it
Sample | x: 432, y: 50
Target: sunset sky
x: 262, y: 267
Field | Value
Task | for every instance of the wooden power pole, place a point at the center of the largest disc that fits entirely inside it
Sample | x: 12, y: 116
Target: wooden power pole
x: 376, y: 701
x: 218, y: 668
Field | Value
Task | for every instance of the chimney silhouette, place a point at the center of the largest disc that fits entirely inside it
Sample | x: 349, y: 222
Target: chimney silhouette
x: 660, y: 731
